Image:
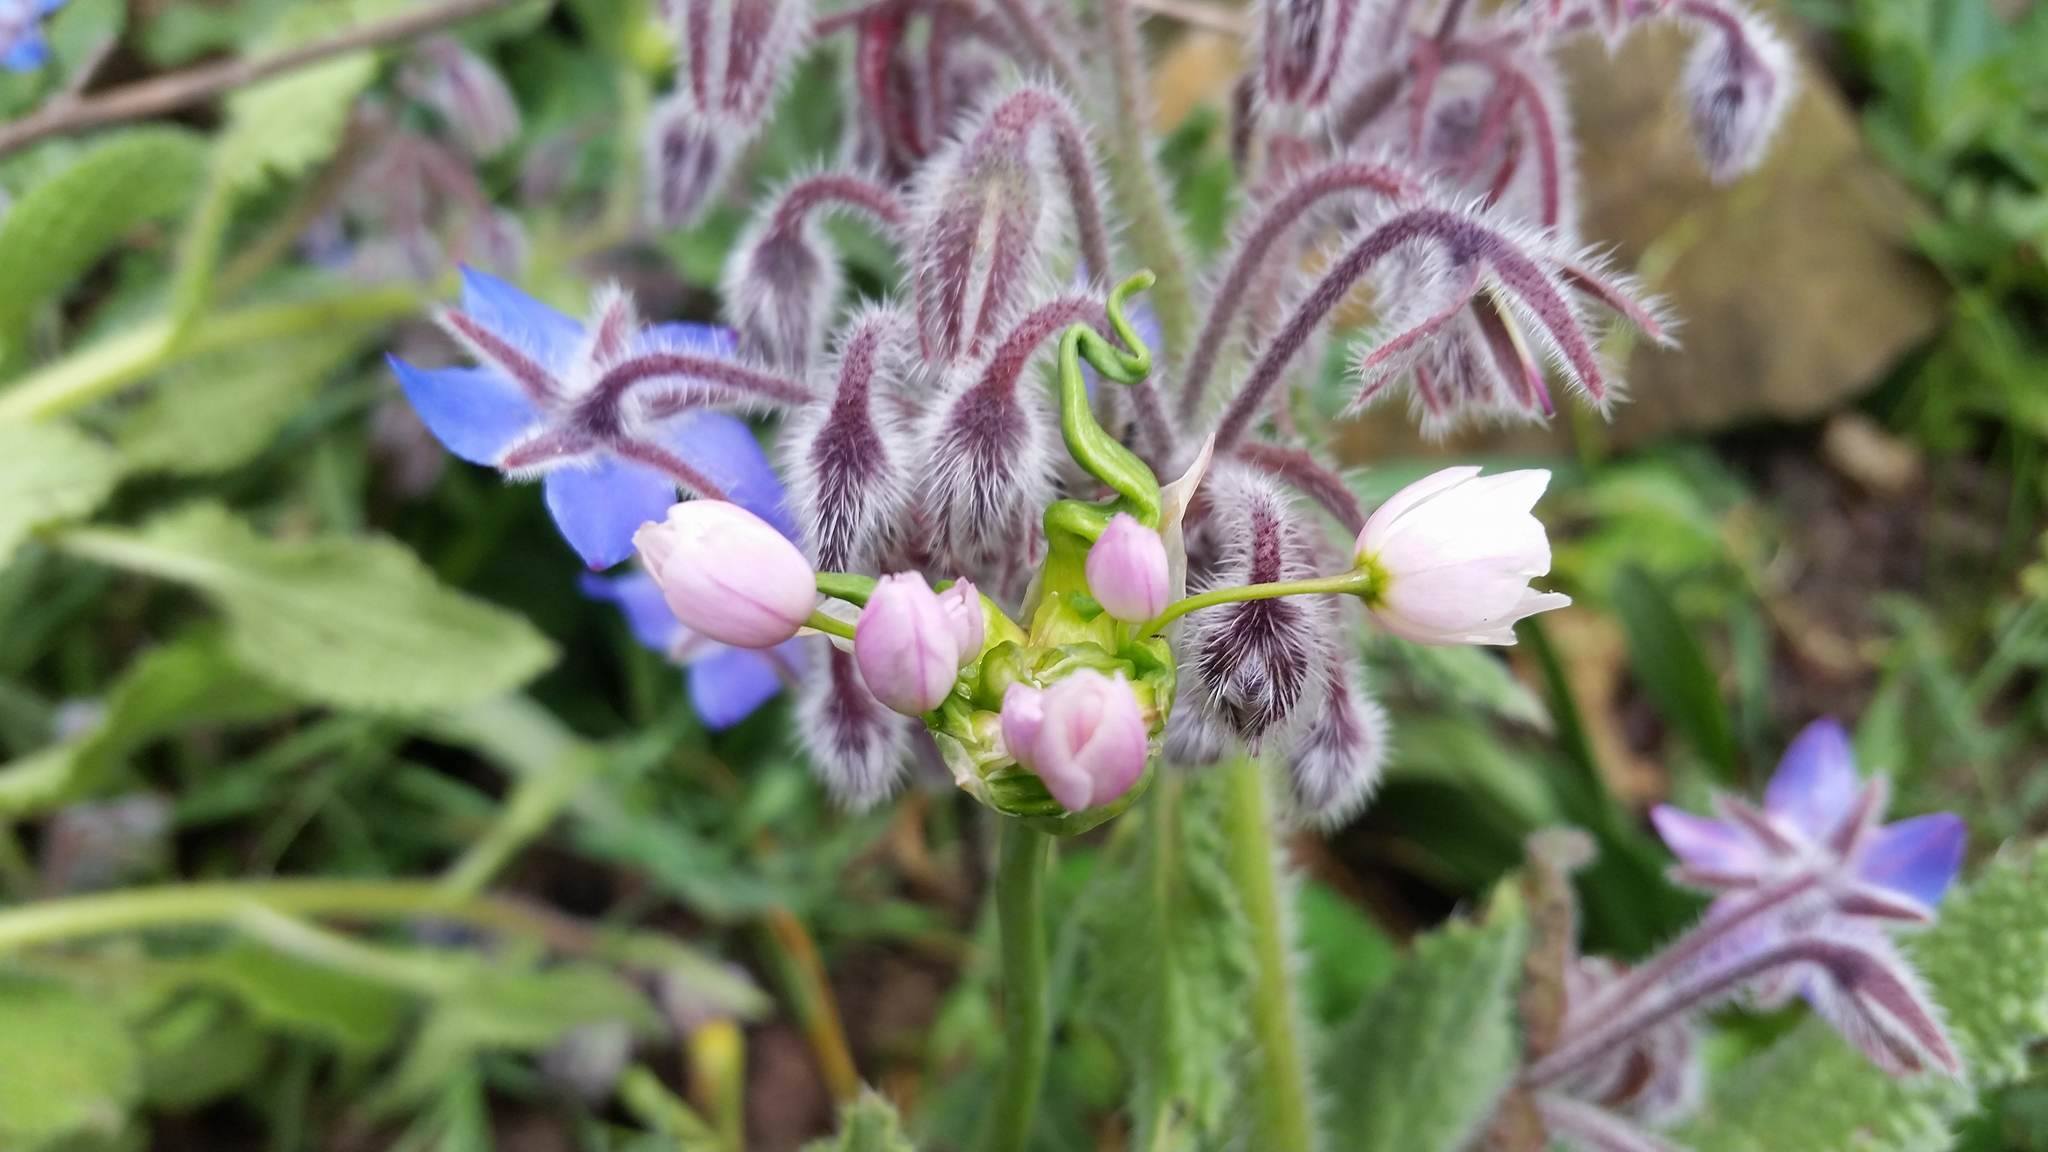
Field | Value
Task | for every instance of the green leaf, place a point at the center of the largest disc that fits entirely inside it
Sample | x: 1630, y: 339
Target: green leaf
x: 1349, y: 957
x: 190, y: 684
x: 217, y: 412
x: 1986, y: 963
x: 1665, y: 655
x: 68, y: 1065
x: 1420, y: 1067
x: 49, y: 472
x: 351, y: 622
x: 295, y: 995
x: 1460, y: 678
x: 288, y: 125
x: 67, y: 221
x: 199, y: 1050
x: 869, y: 1124
x: 1171, y: 960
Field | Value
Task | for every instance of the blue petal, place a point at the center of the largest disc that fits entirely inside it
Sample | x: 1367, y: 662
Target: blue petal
x: 639, y: 600
x: 1816, y: 783
x: 727, y: 685
x: 1707, y: 845
x: 726, y: 451
x: 695, y: 339
x: 1918, y: 857
x: 598, y: 507
x: 47, y: 7
x: 529, y: 325
x: 474, y: 412
x: 28, y: 53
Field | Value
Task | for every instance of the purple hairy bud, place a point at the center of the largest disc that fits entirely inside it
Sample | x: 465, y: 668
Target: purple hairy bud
x: 988, y: 446
x: 1656, y: 1075
x: 1256, y: 660
x: 690, y: 156
x: 1432, y: 260
x: 1195, y: 737
x: 1336, y: 760
x: 857, y: 746
x: 847, y: 487
x: 1876, y: 1001
x: 781, y: 281
x: 465, y: 92
x: 981, y: 214
x: 1738, y: 82
x: 1577, y: 1124
x: 733, y: 55
x: 1301, y: 44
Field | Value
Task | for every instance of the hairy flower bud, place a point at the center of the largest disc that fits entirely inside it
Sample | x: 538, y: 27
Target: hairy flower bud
x: 726, y: 573
x: 782, y: 279
x: 734, y: 55
x: 1738, y: 82
x: 1255, y: 660
x: 1091, y: 745
x: 1301, y: 44
x: 690, y: 156
x: 906, y: 646
x: 1127, y: 570
x: 856, y: 745
x: 466, y: 92
x: 847, y: 483
x: 1453, y: 554
x: 962, y: 605
x: 1336, y: 760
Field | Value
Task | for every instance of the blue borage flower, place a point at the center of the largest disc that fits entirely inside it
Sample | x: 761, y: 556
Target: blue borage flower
x: 1818, y: 812
x: 23, y: 47
x: 613, y: 416
x: 726, y: 684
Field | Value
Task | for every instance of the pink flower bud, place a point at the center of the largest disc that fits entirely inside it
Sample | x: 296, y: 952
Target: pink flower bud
x: 1092, y: 744
x: 727, y: 574
x: 1455, y: 552
x: 1127, y: 570
x: 1023, y: 715
x: 905, y: 645
x: 962, y: 603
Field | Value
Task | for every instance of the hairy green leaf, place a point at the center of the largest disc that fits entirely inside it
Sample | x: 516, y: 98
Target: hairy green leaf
x: 1171, y: 960
x: 215, y: 413
x: 869, y: 1124
x: 67, y: 221
x: 295, y: 995
x: 199, y: 1050
x: 351, y: 622
x: 49, y: 472
x: 68, y: 1065
x: 1420, y: 1066
x: 1462, y: 679
x: 1986, y: 963
x: 1667, y: 659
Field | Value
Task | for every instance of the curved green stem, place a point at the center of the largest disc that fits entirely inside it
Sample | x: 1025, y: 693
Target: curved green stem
x: 848, y: 586
x: 830, y: 625
x: 1281, y: 1080
x: 1091, y: 445
x: 1027, y: 1026
x: 1355, y: 583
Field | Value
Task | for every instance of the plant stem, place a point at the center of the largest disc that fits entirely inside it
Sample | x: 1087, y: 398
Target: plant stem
x: 810, y: 996
x: 1027, y: 1028
x: 56, y: 921
x: 1355, y: 583
x: 1134, y: 180
x: 830, y: 625
x: 1286, y: 1116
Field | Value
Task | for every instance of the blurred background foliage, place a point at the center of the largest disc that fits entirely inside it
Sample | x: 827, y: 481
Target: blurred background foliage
x: 317, y: 714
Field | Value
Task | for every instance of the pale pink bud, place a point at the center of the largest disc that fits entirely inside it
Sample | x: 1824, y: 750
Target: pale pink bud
x: 1454, y: 553
x: 1023, y: 715
x: 1092, y: 744
x: 905, y: 645
x: 1127, y: 570
x: 727, y: 574
x: 962, y: 603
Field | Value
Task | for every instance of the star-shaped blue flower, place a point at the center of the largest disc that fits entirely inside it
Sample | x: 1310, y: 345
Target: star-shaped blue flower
x: 23, y: 47
x: 610, y: 413
x: 726, y: 685
x: 1819, y: 814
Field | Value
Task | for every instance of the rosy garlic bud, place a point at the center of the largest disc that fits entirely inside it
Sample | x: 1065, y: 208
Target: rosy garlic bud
x: 727, y: 574
x: 906, y: 646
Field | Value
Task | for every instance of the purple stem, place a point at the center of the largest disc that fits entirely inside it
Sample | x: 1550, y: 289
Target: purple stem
x: 740, y: 378
x: 1256, y: 249
x: 842, y: 190
x: 661, y: 459
x: 1303, y: 472
x: 536, y: 381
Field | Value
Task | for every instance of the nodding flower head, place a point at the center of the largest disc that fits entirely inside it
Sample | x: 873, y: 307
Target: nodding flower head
x: 1452, y: 554
x: 690, y: 155
x: 610, y: 412
x: 465, y: 92
x: 1335, y: 761
x: 728, y: 574
x: 1820, y: 817
x: 733, y: 56
x: 1738, y: 82
x: 1301, y: 45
